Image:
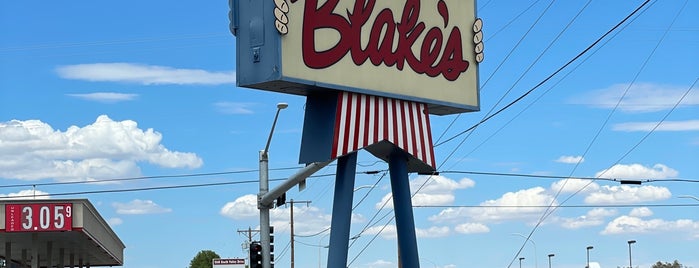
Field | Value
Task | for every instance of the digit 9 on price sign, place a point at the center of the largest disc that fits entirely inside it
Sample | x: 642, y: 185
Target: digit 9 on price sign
x: 43, y: 217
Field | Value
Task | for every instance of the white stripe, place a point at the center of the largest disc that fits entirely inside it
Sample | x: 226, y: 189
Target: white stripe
x: 408, y: 128
x: 418, y: 136
x: 371, y: 139
x: 379, y: 134
x: 391, y: 120
x: 342, y: 129
x: 428, y: 145
x: 362, y: 122
x: 399, y: 123
x: 350, y: 128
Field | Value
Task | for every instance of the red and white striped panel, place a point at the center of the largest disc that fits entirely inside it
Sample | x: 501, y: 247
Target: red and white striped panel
x: 362, y: 120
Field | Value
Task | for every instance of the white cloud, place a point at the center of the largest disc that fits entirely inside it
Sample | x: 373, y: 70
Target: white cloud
x: 389, y: 231
x: 234, y: 107
x: 105, y: 97
x: 307, y: 219
x: 624, y: 194
x: 115, y: 221
x: 526, y: 204
x: 144, y: 74
x: 641, y: 97
x: 33, y: 150
x: 570, y: 159
x: 594, y: 217
x: 26, y: 194
x: 380, y: 264
x: 244, y: 207
x: 641, y: 212
x: 630, y: 224
x: 637, y: 171
x: 471, y: 228
x: 688, y: 125
x: 438, y: 190
x: 137, y: 207
x: 574, y: 185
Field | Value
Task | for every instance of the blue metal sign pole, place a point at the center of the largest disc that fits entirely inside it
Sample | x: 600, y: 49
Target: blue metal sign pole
x: 403, y: 209
x: 342, y: 211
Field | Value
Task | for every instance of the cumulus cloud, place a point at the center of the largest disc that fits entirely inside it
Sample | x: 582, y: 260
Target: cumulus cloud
x: 105, y: 149
x: 234, y: 107
x: 638, y: 171
x: 471, y: 228
x: 527, y: 204
x: 574, y: 185
x: 570, y: 159
x: 244, y: 207
x: 594, y: 217
x: 641, y: 212
x: 307, y: 219
x: 105, y: 97
x: 26, y: 194
x: 138, y: 207
x: 143, y: 74
x: 637, y: 224
x: 640, y: 97
x: 389, y: 231
x: 624, y: 194
x: 438, y: 190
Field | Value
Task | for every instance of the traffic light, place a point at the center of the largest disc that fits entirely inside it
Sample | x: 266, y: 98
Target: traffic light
x: 255, y: 255
x: 271, y: 245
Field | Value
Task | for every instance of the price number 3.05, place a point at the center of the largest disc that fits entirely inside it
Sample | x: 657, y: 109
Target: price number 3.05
x: 38, y: 217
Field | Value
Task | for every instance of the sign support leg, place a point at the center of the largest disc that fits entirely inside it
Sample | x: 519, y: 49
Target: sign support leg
x: 403, y: 207
x: 342, y: 211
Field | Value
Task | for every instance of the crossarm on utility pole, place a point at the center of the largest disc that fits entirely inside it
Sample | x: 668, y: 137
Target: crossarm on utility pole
x: 268, y: 198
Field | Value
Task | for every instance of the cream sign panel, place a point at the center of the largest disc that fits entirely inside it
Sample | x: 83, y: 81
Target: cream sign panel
x: 422, y: 50
x: 418, y: 50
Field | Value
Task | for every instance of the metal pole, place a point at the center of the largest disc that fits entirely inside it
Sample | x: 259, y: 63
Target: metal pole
x: 588, y: 256
x: 520, y: 261
x: 550, y: 255
x: 536, y: 262
x: 342, y: 211
x: 264, y: 188
x: 403, y: 209
x: 264, y: 210
x: 630, y: 242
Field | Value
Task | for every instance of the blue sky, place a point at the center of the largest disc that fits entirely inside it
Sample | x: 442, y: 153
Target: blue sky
x: 95, y: 90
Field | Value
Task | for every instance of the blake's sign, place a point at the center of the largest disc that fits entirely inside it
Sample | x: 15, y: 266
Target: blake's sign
x: 418, y: 50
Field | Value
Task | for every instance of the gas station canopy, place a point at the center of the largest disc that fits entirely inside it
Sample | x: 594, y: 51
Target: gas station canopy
x: 56, y: 233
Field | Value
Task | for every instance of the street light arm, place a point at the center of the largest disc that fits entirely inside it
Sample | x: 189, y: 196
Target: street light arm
x: 269, y: 197
x: 280, y: 106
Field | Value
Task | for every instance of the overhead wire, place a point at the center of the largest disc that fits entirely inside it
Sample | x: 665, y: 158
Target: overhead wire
x: 549, y: 211
x: 497, y: 68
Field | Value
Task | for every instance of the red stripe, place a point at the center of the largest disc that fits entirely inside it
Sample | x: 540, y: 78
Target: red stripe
x: 362, y: 120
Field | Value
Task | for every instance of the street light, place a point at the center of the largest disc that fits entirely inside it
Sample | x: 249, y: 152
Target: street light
x: 630, y: 242
x: 588, y: 256
x: 264, y: 188
x: 536, y: 263
x: 520, y: 261
x: 551, y: 255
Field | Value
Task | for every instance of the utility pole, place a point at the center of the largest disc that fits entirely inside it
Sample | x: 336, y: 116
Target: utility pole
x: 249, y: 232
x: 291, y: 218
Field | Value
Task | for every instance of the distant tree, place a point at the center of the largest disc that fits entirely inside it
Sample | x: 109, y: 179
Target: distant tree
x: 674, y: 264
x: 203, y: 259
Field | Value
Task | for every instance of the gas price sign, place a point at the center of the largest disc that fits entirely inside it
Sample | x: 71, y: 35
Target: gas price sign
x: 42, y: 217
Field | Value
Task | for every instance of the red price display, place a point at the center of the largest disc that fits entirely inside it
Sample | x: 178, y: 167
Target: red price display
x: 38, y: 217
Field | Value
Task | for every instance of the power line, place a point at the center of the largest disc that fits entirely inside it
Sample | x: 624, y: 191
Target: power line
x: 559, y: 206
